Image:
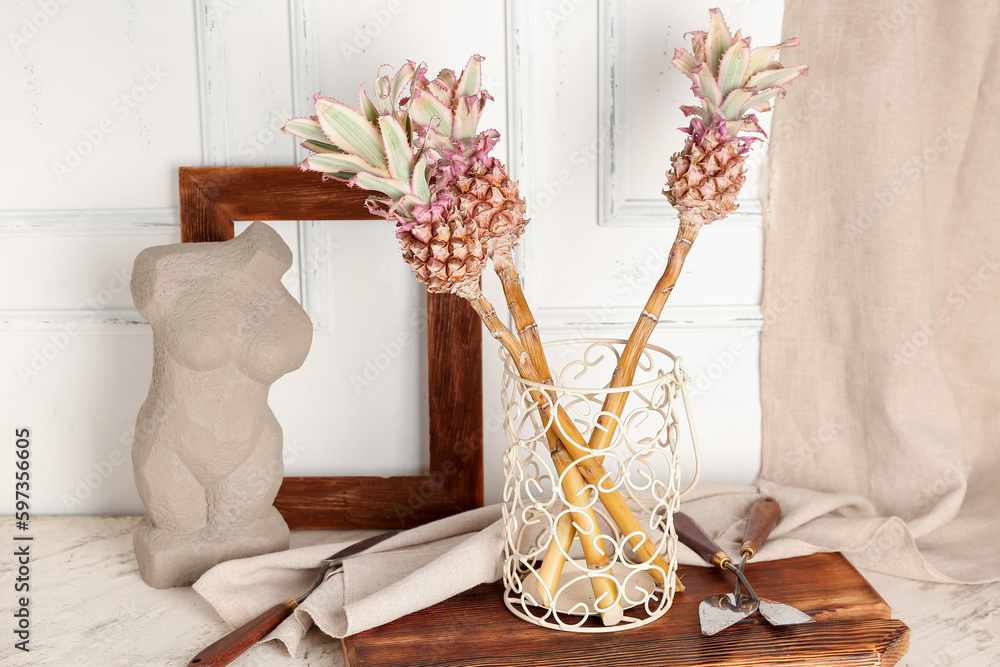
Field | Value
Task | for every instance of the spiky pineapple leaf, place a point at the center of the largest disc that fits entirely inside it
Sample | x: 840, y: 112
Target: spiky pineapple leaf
x: 436, y: 141
x: 418, y: 183
x: 397, y: 148
x: 387, y: 186
x: 383, y: 94
x: 761, y: 57
x: 707, y: 86
x: 718, y: 41
x: 307, y: 128
x: 340, y: 162
x: 472, y: 78
x: 447, y: 77
x: 732, y: 106
x: 407, y: 203
x: 438, y: 90
x: 425, y: 108
x: 755, y: 102
x: 776, y: 77
x: 351, y: 131
x: 320, y: 147
x: 367, y: 108
x: 403, y: 78
x: 685, y: 62
x: 733, y: 67
x: 466, y: 119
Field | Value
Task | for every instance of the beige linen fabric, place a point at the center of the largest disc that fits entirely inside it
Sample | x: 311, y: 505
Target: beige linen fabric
x: 880, y: 355
x: 407, y: 572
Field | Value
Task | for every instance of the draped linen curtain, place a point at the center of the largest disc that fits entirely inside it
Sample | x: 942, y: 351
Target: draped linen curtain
x: 880, y: 353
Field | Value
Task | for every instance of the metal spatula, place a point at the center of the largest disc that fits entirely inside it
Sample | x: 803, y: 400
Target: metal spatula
x: 234, y: 644
x: 763, y: 517
x: 719, y: 611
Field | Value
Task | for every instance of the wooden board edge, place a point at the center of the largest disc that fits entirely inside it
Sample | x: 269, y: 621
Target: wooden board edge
x: 347, y: 651
x: 897, y: 649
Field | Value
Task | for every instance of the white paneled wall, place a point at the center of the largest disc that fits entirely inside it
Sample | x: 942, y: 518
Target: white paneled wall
x: 104, y: 100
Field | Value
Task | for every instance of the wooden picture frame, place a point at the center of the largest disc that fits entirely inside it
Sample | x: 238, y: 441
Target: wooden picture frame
x: 211, y: 198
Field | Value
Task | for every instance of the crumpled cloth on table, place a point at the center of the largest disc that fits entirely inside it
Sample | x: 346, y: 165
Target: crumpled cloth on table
x: 420, y: 567
x: 407, y: 572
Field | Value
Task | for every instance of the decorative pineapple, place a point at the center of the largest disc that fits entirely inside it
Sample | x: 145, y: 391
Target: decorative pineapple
x: 474, y: 184
x: 731, y: 80
x: 419, y: 148
x: 376, y: 148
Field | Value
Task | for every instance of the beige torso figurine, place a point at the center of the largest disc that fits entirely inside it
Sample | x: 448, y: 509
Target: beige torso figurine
x: 207, y: 452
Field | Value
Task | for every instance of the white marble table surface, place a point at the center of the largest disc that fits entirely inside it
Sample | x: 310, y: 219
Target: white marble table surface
x: 90, y: 608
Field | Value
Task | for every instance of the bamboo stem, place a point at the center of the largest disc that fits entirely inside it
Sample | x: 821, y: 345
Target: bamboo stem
x: 593, y: 472
x: 605, y: 588
x: 527, y: 331
x: 555, y: 557
x: 614, y: 403
x: 606, y: 599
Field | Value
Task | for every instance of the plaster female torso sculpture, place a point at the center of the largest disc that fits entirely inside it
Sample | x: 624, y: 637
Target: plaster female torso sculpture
x: 207, y: 450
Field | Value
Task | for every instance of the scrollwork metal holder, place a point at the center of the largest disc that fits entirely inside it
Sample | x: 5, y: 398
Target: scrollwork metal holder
x: 642, y: 464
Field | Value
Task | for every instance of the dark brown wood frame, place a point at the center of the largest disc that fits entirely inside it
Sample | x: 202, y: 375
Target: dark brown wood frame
x: 211, y: 198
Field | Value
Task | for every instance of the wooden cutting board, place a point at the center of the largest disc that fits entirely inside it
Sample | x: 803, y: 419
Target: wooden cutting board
x: 475, y: 629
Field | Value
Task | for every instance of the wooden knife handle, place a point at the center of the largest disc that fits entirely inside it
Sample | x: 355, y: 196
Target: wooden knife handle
x: 764, y: 516
x: 236, y: 643
x: 691, y: 535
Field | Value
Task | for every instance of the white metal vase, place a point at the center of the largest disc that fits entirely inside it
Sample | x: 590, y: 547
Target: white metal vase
x: 642, y: 464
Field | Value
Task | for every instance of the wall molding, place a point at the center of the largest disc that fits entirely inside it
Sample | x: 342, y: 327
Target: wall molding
x: 598, y: 321
x: 210, y: 37
x: 303, y: 20
x: 520, y: 136
x: 109, y: 320
x: 89, y: 222
x: 313, y: 247
x: 314, y: 240
x: 614, y: 208
x: 116, y: 223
